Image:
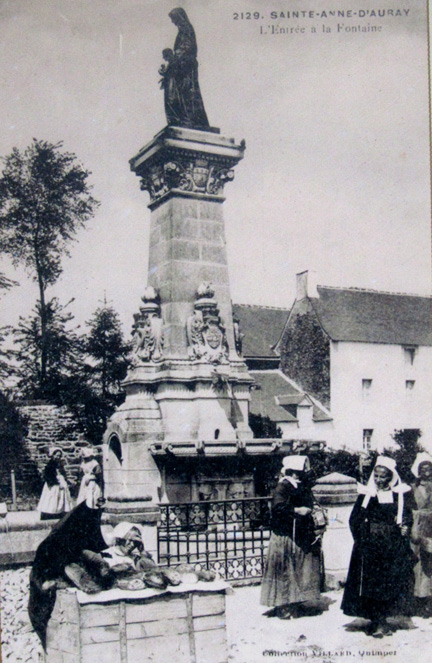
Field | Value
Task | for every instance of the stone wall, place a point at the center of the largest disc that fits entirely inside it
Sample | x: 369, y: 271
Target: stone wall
x: 48, y: 425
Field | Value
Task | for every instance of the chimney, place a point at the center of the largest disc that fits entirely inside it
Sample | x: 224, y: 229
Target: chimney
x: 306, y: 284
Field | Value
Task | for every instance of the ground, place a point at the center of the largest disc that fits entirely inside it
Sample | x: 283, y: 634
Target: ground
x: 255, y: 638
x: 252, y: 637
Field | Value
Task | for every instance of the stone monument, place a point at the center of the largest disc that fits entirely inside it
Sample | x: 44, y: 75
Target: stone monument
x: 187, y: 387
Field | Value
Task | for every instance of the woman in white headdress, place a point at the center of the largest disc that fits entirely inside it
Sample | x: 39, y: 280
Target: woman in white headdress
x: 55, y: 499
x: 90, y: 488
x: 380, y: 576
x: 292, y: 571
x: 127, y: 551
x: 421, y: 534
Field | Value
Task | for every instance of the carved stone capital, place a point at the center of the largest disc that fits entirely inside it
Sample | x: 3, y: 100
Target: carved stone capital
x: 186, y: 176
x: 188, y: 163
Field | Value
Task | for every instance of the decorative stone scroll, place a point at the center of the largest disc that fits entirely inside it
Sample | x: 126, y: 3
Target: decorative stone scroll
x: 192, y: 175
x: 147, y: 336
x: 204, y: 329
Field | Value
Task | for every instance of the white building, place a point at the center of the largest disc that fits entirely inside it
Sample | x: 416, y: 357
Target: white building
x: 367, y: 356
x: 275, y: 396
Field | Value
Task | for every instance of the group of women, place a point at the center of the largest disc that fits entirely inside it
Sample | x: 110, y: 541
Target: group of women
x: 55, y: 500
x: 390, y: 571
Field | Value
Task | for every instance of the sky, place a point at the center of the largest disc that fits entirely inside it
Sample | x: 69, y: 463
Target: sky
x: 335, y: 177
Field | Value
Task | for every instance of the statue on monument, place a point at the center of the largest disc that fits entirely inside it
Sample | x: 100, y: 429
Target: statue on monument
x: 184, y: 106
x: 147, y: 337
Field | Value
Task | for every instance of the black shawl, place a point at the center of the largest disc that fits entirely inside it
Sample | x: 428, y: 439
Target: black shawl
x: 79, y: 530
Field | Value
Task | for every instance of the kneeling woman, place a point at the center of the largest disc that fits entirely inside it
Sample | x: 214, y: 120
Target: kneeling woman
x: 380, y: 576
x: 292, y: 572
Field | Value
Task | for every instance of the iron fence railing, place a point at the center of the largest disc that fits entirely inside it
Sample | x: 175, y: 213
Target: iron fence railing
x: 227, y: 536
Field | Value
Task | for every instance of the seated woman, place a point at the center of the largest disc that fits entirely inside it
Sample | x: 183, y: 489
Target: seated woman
x: 127, y: 555
x: 76, y: 550
x: 380, y: 574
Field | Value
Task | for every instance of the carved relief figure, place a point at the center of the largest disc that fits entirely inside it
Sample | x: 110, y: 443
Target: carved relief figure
x: 204, y: 329
x: 184, y: 106
x: 147, y: 336
x: 194, y: 333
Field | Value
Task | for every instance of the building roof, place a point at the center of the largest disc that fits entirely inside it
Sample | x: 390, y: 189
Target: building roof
x: 275, y: 388
x: 261, y: 327
x: 370, y: 316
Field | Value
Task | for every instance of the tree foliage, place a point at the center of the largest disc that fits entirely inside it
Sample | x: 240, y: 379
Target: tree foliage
x: 107, y: 351
x: 6, y: 283
x: 106, y: 367
x: 305, y: 355
x: 407, y: 448
x: 44, y: 199
x: 83, y: 371
x: 264, y: 427
x: 13, y: 452
x: 63, y: 353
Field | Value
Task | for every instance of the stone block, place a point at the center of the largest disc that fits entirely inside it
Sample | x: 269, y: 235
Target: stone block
x: 186, y: 208
x: 213, y: 253
x: 165, y: 230
x: 177, y: 313
x: 154, y: 235
x: 178, y: 291
x: 210, y: 210
x: 161, y: 214
x: 212, y: 231
x: 192, y: 273
x: 175, y: 340
x: 184, y: 228
x: 184, y: 250
x: 159, y: 254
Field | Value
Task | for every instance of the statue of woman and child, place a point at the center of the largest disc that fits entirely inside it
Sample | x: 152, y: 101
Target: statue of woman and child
x: 184, y: 106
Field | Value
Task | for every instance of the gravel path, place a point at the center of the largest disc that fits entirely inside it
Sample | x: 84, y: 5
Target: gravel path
x: 19, y: 643
x: 252, y: 637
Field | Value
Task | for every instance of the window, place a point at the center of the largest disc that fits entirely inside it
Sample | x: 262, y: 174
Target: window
x: 409, y: 385
x: 115, y: 446
x: 409, y: 354
x: 367, y: 439
x: 366, y: 387
x: 292, y: 409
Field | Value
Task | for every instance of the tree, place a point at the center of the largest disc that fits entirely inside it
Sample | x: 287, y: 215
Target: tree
x: 108, y: 350
x: 264, y: 427
x: 6, y: 283
x: 408, y: 446
x: 106, y: 367
x: 13, y: 452
x: 63, y: 357
x: 44, y: 199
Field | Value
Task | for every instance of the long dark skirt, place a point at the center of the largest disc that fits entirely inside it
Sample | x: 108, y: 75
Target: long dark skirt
x: 379, y: 584
x: 291, y: 575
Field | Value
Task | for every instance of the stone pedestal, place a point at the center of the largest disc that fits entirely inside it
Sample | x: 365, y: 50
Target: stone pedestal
x: 337, y: 493
x: 187, y: 381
